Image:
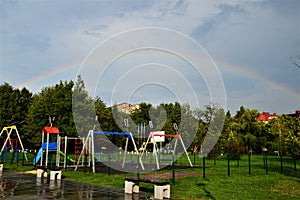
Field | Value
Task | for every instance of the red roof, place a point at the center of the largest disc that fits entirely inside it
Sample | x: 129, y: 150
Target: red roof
x: 265, y: 116
x: 50, y: 130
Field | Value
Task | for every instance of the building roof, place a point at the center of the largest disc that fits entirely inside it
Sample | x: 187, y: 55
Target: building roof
x: 266, y: 116
x: 296, y: 114
x: 127, y: 108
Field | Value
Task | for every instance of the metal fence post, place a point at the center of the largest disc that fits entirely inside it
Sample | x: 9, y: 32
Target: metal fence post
x: 204, y: 166
x: 228, y: 165
x: 85, y: 163
x: 23, y: 158
x: 214, y: 158
x: 281, y: 165
x: 249, y: 163
x: 12, y: 158
x: 173, y: 170
x: 295, y: 166
x: 108, y: 169
x: 267, y: 169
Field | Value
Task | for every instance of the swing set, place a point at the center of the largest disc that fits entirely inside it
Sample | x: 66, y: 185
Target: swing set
x: 89, y: 145
x: 155, y: 137
x: 13, y: 143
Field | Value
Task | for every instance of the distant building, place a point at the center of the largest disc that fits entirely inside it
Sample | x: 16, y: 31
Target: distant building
x: 295, y: 115
x: 127, y: 108
x: 266, y: 117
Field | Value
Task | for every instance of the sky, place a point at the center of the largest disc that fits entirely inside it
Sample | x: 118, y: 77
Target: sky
x: 233, y: 53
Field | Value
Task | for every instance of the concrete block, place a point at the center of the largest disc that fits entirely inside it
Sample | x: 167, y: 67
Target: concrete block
x: 131, y: 187
x: 161, y: 192
x: 41, y: 173
x: 55, y: 175
x: 1, y: 167
x: 136, y: 188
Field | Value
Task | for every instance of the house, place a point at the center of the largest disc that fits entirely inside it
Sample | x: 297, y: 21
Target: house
x: 127, y: 108
x: 266, y: 117
x: 295, y: 115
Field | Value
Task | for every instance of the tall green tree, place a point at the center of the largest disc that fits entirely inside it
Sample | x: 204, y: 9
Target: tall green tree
x: 14, y: 105
x: 173, y: 111
x: 83, y: 108
x: 188, y: 126
x: 286, y: 135
x: 211, y: 121
x: 104, y: 116
x: 173, y: 114
x: 142, y: 114
x: 158, y: 117
x: 247, y: 128
x: 54, y: 102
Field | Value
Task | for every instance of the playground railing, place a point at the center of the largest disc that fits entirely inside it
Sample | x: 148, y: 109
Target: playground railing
x: 229, y: 165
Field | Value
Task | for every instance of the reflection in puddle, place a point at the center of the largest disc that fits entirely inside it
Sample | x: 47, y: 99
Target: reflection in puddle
x: 48, y: 189
x: 27, y: 186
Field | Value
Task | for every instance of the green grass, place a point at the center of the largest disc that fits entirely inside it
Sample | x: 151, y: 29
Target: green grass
x: 113, y: 181
x: 262, y: 183
x: 241, y: 185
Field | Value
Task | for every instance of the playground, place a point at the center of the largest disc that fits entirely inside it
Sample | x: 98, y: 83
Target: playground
x: 260, y: 184
x: 187, y: 175
x: 58, y: 152
x: 54, y: 156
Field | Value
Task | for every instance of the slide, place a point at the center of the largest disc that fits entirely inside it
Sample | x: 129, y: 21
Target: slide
x: 38, y: 156
x: 70, y: 159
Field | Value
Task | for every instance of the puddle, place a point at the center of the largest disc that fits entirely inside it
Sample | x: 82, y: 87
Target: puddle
x: 27, y: 186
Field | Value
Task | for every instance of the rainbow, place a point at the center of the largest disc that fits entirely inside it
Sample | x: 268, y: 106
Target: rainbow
x: 233, y: 68
x: 49, y: 74
x: 246, y: 72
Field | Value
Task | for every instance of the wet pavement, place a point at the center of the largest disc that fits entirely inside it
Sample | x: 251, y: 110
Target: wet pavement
x: 27, y: 186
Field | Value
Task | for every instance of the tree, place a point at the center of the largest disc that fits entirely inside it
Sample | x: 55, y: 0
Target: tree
x: 233, y: 146
x: 54, y: 102
x: 247, y: 128
x: 188, y: 125
x: 215, y: 116
x: 159, y: 119
x: 293, y: 136
x: 83, y: 108
x: 6, y: 104
x: 104, y: 115
x: 107, y: 122
x: 173, y: 112
x: 286, y: 133
x: 142, y: 114
x: 14, y: 105
x: 210, y: 126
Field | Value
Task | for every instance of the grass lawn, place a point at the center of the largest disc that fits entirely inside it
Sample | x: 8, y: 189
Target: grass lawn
x: 260, y: 184
x: 263, y: 182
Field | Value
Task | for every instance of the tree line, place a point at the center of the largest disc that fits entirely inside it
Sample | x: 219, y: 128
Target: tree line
x: 241, y: 133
